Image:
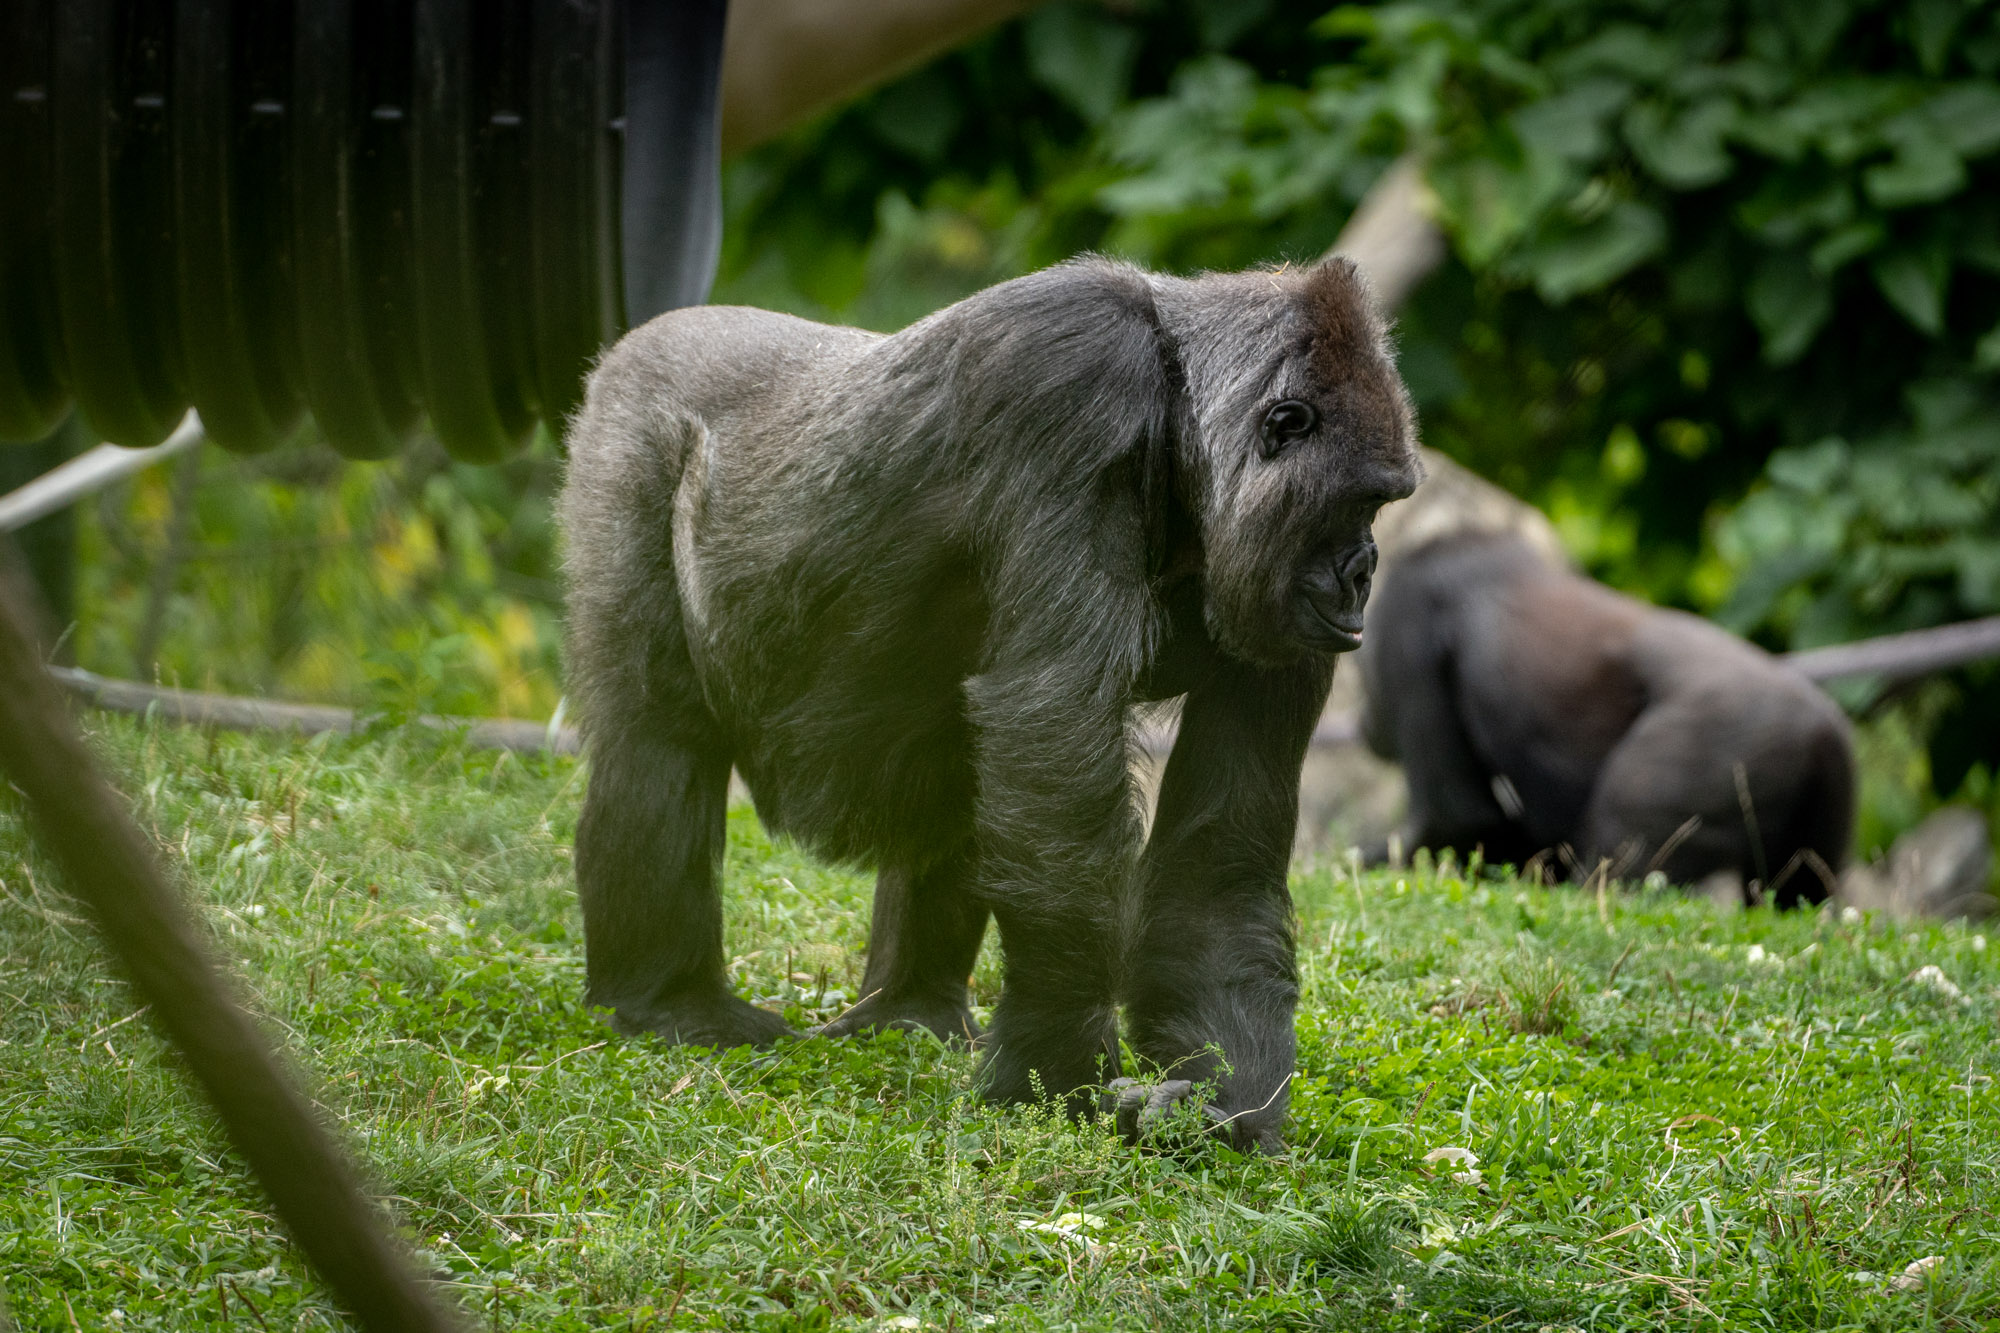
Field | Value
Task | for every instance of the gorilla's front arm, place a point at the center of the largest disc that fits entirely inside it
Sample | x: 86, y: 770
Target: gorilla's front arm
x: 1211, y: 982
x: 1056, y: 829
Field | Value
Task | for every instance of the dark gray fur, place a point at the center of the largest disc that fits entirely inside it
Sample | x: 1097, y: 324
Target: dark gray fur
x: 912, y: 587
x: 1622, y: 733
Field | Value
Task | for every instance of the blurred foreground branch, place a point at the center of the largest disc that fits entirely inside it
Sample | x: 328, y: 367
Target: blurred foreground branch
x: 1895, y: 657
x: 92, y: 470
x: 108, y: 863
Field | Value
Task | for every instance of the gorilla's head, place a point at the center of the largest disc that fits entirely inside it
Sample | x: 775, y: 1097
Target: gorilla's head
x: 1297, y: 428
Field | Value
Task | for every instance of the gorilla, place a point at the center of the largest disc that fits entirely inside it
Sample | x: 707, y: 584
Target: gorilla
x: 1534, y: 710
x: 912, y: 588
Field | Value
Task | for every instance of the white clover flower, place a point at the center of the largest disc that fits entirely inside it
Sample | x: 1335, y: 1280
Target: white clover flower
x: 1979, y: 944
x: 1850, y: 915
x: 1072, y: 1227
x: 1932, y: 976
x: 1464, y: 1157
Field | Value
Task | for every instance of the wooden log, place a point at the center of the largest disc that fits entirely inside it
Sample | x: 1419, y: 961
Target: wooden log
x: 235, y: 713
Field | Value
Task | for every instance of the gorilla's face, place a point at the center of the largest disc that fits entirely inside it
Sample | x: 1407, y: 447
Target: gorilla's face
x: 1298, y: 454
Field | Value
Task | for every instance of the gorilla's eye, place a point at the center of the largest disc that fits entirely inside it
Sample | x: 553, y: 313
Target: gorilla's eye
x: 1285, y: 422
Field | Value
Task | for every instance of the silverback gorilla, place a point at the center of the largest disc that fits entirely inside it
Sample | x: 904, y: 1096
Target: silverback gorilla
x: 1533, y: 709
x: 910, y: 586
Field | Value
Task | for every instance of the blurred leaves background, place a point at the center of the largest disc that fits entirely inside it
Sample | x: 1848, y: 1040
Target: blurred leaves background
x: 1723, y: 298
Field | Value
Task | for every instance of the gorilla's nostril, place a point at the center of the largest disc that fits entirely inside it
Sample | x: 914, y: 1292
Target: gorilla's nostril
x: 1357, y: 570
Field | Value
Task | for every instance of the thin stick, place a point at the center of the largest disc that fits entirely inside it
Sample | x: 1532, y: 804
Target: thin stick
x: 1674, y: 840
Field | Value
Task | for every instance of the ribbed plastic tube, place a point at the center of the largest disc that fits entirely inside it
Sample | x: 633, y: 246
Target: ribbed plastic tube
x: 384, y: 213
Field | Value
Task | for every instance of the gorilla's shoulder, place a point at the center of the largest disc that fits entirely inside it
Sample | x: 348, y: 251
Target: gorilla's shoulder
x: 700, y: 332
x: 703, y: 356
x: 1088, y: 287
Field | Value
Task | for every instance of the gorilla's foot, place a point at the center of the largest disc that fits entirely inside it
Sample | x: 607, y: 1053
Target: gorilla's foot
x: 716, y: 1019
x: 950, y: 1020
x: 1151, y: 1111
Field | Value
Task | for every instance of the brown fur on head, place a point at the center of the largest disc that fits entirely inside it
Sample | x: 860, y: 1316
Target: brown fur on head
x: 1284, y: 517
x: 1350, y: 341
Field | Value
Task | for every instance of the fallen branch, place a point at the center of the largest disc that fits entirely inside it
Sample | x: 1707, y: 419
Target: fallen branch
x: 234, y: 713
x: 196, y: 708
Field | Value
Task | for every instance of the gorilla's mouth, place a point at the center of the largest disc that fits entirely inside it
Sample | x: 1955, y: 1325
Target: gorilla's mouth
x: 1326, y: 629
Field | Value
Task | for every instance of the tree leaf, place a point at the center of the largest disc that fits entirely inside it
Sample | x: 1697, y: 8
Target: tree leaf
x: 1815, y: 25
x: 1566, y: 261
x: 1621, y: 48
x: 1082, y: 56
x: 1848, y: 244
x: 1796, y: 202
x: 1924, y: 170
x: 1222, y: 22
x: 1931, y: 24
x: 1684, y: 149
x: 1789, y: 301
x: 918, y: 114
x: 1913, y: 281
x: 1815, y: 469
x: 1571, y: 125
x: 1986, y: 354
x: 1967, y: 115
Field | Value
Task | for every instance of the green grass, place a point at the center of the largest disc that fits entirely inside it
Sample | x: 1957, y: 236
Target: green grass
x: 1682, y: 1119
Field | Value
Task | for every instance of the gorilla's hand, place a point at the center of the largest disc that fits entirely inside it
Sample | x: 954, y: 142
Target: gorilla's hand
x: 1144, y: 1109
x: 1150, y: 1112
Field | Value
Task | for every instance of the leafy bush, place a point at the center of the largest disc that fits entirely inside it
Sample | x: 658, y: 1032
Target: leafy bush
x: 1727, y: 287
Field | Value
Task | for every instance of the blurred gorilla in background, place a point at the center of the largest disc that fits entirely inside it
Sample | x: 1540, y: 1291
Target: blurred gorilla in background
x: 1535, y: 711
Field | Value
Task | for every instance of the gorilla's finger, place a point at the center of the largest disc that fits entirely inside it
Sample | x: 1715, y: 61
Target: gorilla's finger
x: 1161, y: 1105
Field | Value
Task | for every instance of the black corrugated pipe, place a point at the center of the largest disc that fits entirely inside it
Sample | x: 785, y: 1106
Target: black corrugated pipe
x: 370, y: 210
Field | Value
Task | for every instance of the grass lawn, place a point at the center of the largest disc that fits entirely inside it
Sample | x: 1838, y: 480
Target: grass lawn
x: 1682, y: 1119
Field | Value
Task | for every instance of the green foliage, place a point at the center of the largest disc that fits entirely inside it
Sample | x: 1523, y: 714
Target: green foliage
x: 1744, y: 1120
x: 986, y: 163
x: 414, y: 585
x: 1705, y: 251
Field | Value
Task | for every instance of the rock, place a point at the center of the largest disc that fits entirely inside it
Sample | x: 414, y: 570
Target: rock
x: 1913, y: 1277
x: 1941, y: 868
x: 1457, y: 499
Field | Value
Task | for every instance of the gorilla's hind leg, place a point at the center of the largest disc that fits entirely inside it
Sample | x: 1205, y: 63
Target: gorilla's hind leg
x: 648, y: 862
x: 921, y: 946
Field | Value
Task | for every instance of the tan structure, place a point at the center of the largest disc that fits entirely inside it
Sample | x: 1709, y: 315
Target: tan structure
x: 785, y: 61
